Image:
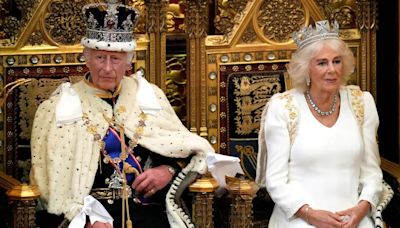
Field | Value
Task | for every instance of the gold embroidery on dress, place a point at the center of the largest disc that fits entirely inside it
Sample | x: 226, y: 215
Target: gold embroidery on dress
x: 357, y: 104
x: 293, y: 115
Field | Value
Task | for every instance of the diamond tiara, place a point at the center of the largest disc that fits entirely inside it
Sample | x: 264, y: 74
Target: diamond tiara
x: 323, y: 30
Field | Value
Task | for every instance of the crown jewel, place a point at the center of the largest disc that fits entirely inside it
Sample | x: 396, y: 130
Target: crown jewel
x: 323, y: 30
x: 109, y: 26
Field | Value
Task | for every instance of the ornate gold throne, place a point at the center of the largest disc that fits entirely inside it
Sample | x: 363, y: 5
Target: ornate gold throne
x: 218, y: 62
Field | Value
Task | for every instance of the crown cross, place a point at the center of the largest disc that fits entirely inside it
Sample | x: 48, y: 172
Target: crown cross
x: 322, y: 31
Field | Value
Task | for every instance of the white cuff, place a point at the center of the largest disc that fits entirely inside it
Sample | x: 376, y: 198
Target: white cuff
x: 95, y: 210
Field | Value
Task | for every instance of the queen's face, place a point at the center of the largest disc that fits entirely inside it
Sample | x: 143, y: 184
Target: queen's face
x: 107, y: 68
x: 326, y: 70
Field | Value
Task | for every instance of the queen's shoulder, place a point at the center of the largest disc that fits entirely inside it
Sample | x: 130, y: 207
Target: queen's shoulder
x: 284, y: 99
x: 356, y: 91
x: 285, y: 96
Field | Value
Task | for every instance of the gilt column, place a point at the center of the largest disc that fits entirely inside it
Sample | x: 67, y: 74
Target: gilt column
x: 156, y: 28
x: 196, y: 32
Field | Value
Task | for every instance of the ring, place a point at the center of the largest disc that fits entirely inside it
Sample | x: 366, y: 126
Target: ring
x: 152, y: 191
x: 345, y: 218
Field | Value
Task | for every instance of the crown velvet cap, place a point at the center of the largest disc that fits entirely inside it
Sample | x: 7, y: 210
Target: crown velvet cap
x: 323, y: 30
x: 109, y: 26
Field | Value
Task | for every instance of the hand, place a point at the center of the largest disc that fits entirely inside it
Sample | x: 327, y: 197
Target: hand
x: 320, y: 218
x: 152, y: 180
x: 355, y: 214
x: 98, y: 225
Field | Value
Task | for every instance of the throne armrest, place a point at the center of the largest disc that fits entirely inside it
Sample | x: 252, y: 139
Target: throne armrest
x: 391, y: 174
x: 203, y: 200
x: 393, y: 170
x: 22, y: 200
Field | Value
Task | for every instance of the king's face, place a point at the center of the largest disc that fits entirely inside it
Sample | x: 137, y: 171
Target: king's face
x: 107, y: 68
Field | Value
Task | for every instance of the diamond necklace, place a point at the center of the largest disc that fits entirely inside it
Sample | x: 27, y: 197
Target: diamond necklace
x: 316, y: 108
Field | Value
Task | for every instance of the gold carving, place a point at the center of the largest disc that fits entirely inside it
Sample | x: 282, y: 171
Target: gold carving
x: 175, y: 14
x: 241, y: 192
x: 36, y: 38
x: 203, y: 188
x: 31, y: 95
x: 176, y: 83
x: 62, y: 18
x: 156, y: 19
x: 13, y: 22
x: 11, y: 26
x: 202, y: 215
x: 343, y: 11
x: 197, y: 19
x: 278, y: 19
x: 366, y: 15
x: 24, y: 213
x: 212, y: 59
x: 228, y: 11
x: 251, y: 94
x: 212, y: 124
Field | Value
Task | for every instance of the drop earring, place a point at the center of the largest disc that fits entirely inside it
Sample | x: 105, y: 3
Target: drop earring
x: 308, y: 80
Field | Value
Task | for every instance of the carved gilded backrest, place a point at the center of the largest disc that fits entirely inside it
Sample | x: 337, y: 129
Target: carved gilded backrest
x: 244, y: 89
x: 246, y: 62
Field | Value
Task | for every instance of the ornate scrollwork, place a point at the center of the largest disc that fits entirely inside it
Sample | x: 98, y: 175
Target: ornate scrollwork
x: 249, y: 35
x: 156, y: 20
x: 321, y: 5
x: 367, y: 15
x: 197, y: 19
x: 13, y: 22
x: 342, y: 11
x: 345, y: 16
x: 30, y: 96
x: 62, y: 18
x: 25, y: 213
x: 36, y: 38
x: 175, y: 85
x: 11, y: 25
x: 175, y: 17
x: 278, y: 19
x: 228, y: 10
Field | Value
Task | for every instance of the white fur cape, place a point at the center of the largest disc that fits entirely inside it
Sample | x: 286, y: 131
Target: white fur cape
x: 65, y: 158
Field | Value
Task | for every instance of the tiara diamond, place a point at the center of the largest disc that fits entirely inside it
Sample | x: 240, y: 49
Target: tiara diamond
x: 110, y: 22
x: 323, y: 30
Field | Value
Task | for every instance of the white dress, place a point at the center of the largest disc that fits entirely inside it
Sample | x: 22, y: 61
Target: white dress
x: 325, y: 165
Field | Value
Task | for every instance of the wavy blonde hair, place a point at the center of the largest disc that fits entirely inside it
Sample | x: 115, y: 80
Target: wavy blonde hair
x: 299, y: 66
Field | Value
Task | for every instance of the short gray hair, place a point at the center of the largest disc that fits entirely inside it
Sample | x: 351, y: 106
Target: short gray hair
x: 299, y: 66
